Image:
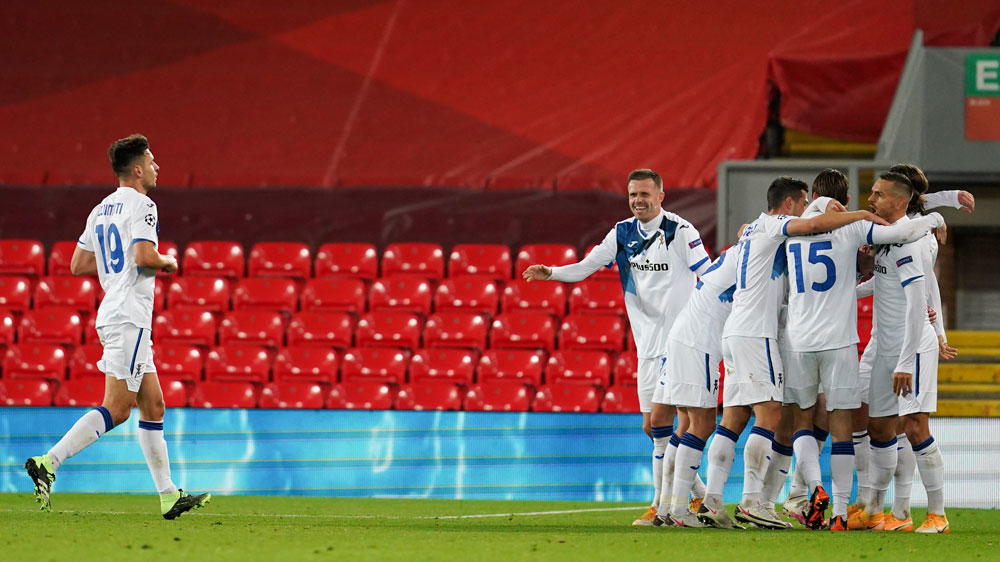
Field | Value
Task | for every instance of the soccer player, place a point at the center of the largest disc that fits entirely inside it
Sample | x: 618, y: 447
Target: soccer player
x: 119, y: 245
x: 754, y: 374
x: 659, y: 255
x: 822, y: 340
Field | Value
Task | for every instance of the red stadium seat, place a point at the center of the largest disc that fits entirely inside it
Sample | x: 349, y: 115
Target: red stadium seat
x: 55, y: 324
x: 864, y: 331
x: 456, y: 329
x: 238, y: 363
x: 27, y: 392
x: 627, y: 369
x: 503, y: 365
x: 178, y: 362
x: 431, y: 395
x: 323, y: 329
x: 61, y: 256
x: 35, y: 361
x: 531, y: 330
x: 629, y: 340
x: 357, y: 260
x: 280, y: 259
x: 213, y: 394
x: 83, y: 363
x: 544, y: 254
x: 470, y: 293
x: 159, y: 297
x: 169, y: 249
x: 457, y: 366
x: 498, y: 396
x: 620, y: 400
x: 865, y: 307
x: 298, y: 395
x: 361, y: 395
x: 389, y: 329
x: 212, y: 293
x: 90, y: 336
x: 22, y: 257
x: 83, y: 392
x: 251, y: 327
x: 7, y: 330
x: 175, y: 393
x: 214, y: 258
x: 192, y: 326
x: 415, y: 258
x: 567, y: 398
x: 15, y: 293
x: 597, y: 297
x: 579, y: 367
x: 545, y: 296
x: 375, y: 364
x: 603, y: 333
x: 279, y: 295
x: 306, y: 364
x: 492, y: 260
x: 402, y: 294
x: 605, y: 273
x: 79, y: 293
x: 334, y: 295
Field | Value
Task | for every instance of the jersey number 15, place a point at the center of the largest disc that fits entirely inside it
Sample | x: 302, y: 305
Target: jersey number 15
x: 113, y: 249
x: 816, y: 258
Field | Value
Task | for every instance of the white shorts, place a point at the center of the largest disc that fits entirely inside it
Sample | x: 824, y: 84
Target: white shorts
x: 833, y: 372
x: 128, y: 353
x: 691, y: 377
x: 865, y: 370
x: 924, y: 395
x: 755, y: 373
x: 648, y: 378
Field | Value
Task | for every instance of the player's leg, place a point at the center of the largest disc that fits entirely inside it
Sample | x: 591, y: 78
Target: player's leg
x: 662, y: 427
x: 862, y: 442
x: 930, y: 463
x: 721, y: 453
x: 781, y: 460
x: 883, y: 407
x: 898, y: 518
x: 647, y: 376
x: 839, y: 375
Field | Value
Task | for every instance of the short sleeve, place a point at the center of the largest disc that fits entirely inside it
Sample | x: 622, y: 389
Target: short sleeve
x: 696, y: 256
x: 86, y: 239
x: 145, y: 222
x: 908, y: 262
x: 776, y: 226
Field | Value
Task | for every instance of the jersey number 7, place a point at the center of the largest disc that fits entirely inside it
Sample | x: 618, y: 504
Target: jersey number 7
x: 112, y: 249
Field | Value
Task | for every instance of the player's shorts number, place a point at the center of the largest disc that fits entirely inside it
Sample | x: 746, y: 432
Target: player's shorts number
x: 113, y: 249
x: 815, y: 258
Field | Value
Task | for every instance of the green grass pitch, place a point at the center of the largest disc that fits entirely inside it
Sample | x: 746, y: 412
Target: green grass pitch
x: 244, y: 528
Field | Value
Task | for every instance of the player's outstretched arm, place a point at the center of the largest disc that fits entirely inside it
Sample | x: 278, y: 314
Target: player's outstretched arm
x: 537, y: 273
x: 904, y: 232
x: 956, y: 199
x: 829, y: 221
x: 83, y: 262
x: 147, y: 256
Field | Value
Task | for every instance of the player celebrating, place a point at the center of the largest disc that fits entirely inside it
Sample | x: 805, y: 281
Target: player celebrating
x: 119, y: 245
x: 659, y: 255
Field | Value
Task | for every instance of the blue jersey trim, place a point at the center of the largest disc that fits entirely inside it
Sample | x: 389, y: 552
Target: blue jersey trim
x: 911, y: 280
x: 870, y: 234
x: 135, y: 351
x: 784, y: 228
x: 697, y: 265
x: 770, y: 365
x: 143, y: 240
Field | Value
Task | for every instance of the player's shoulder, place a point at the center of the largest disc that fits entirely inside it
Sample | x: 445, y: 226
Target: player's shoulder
x: 681, y: 221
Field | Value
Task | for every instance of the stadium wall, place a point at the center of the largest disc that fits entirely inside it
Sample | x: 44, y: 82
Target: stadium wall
x: 453, y: 455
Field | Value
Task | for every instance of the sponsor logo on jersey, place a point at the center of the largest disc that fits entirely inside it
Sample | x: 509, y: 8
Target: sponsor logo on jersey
x: 903, y: 261
x: 651, y: 266
x: 879, y: 268
x: 694, y: 243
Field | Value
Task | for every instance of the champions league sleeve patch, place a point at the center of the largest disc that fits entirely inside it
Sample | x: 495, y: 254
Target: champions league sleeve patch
x: 694, y: 243
x: 150, y: 219
x: 904, y: 261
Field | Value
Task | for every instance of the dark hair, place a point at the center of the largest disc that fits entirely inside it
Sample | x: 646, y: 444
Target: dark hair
x: 646, y: 174
x: 831, y: 183
x: 919, y: 183
x: 123, y: 153
x: 782, y: 188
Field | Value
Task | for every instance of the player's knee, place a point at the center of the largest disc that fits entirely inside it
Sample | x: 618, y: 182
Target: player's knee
x: 153, y: 410
x: 119, y: 413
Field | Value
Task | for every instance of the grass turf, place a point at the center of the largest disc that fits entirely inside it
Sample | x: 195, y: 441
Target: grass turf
x: 244, y: 528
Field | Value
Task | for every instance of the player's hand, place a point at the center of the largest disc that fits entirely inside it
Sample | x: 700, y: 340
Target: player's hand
x: 941, y: 233
x: 967, y: 201
x: 834, y: 206
x: 171, y: 266
x: 931, y: 314
x: 866, y: 261
x: 870, y: 216
x: 537, y: 273
x: 945, y: 351
x: 902, y: 383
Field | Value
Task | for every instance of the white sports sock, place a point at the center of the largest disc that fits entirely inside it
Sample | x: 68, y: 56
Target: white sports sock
x: 154, y: 448
x: 721, y: 453
x: 667, y: 486
x: 688, y: 461
x: 931, y: 466
x: 661, y: 435
x: 880, y: 471
x: 756, y: 458
x: 841, y: 469
x: 799, y: 487
x: 85, y: 431
x: 698, y: 488
x: 777, y: 473
x: 862, y: 453
x: 807, y: 457
x: 906, y: 464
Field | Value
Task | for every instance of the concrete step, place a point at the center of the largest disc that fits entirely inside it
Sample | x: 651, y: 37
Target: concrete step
x: 974, y: 338
x: 967, y: 408
x: 952, y: 372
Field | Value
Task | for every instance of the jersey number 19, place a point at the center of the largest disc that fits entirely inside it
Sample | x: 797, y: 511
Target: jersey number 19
x: 113, y: 249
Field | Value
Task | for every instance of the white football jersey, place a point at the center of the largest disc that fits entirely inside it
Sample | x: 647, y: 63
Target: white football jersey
x: 700, y: 323
x: 896, y: 266
x: 759, y: 271
x: 657, y: 272
x: 119, y: 221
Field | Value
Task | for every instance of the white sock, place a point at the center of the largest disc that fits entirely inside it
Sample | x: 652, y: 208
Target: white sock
x: 85, y: 431
x: 777, y: 473
x: 880, y: 471
x: 862, y: 453
x: 721, y: 453
x: 906, y: 464
x: 841, y: 469
x: 688, y: 461
x: 756, y: 458
x: 931, y: 466
x: 807, y: 457
x: 661, y: 435
x: 698, y: 487
x: 154, y: 448
x: 799, y: 487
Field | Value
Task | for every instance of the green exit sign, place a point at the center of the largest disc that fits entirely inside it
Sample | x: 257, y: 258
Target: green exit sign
x: 982, y: 75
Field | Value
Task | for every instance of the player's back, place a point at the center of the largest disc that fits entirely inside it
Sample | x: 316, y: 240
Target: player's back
x: 700, y: 323
x: 759, y: 272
